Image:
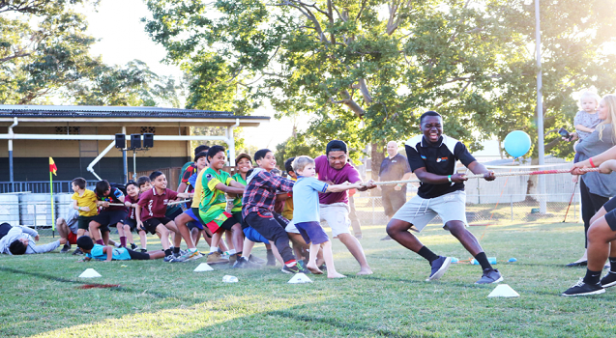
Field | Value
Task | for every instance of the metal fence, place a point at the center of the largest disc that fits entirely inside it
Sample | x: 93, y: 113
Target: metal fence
x: 38, y: 187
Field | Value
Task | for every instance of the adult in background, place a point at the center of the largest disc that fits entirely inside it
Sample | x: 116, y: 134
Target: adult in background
x: 596, y: 188
x: 394, y: 167
x: 334, y: 168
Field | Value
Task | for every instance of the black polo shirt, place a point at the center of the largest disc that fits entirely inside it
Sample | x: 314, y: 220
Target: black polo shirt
x: 392, y: 169
x: 440, y: 159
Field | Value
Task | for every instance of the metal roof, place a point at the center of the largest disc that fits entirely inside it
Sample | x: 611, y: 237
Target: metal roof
x: 114, y: 111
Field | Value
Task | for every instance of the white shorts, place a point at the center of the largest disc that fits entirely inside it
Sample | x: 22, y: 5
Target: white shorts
x: 337, y: 217
x: 419, y: 211
x: 291, y: 228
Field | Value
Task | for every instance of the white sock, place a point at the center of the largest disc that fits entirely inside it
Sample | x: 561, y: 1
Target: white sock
x: 192, y: 249
x: 231, y: 252
x: 213, y: 249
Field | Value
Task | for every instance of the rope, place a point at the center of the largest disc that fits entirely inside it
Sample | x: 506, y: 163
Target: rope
x: 168, y: 204
x: 518, y: 173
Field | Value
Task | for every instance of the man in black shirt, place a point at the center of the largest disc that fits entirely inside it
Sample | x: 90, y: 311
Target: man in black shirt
x: 394, y: 167
x: 432, y: 156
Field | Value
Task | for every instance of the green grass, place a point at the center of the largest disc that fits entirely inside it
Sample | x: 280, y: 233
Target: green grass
x: 39, y: 295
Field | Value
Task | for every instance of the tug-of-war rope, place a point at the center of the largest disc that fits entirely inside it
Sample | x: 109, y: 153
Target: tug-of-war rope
x: 505, y: 174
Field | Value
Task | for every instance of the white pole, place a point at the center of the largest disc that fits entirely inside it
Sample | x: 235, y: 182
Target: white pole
x: 540, y: 141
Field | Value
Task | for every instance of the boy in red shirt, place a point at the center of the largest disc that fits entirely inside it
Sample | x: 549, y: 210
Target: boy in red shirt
x: 151, y: 216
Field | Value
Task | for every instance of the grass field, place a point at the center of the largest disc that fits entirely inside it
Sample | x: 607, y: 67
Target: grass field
x: 39, y: 294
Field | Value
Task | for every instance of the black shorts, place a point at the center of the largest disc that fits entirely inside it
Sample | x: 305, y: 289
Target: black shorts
x: 240, y: 219
x: 83, y: 222
x: 151, y: 224
x: 229, y: 223
x: 393, y: 200
x: 111, y: 217
x: 131, y: 223
x: 138, y: 256
x: 610, y: 216
x: 192, y: 225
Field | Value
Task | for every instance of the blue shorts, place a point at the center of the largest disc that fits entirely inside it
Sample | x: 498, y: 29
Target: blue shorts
x: 197, y: 221
x: 254, y: 236
x: 312, y: 232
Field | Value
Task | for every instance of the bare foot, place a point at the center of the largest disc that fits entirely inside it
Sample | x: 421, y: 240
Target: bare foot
x: 314, y: 269
x: 335, y: 275
x: 364, y: 271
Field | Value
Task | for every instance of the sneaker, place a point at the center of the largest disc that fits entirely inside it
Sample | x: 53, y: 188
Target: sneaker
x: 256, y: 260
x: 302, y: 266
x: 323, y: 267
x: 582, y: 289
x: 216, y: 258
x: 439, y: 267
x: 490, y: 277
x: 297, y: 268
x: 271, y: 259
x: 183, y: 252
x: 143, y: 250
x: 189, y: 256
x: 243, y: 263
x: 117, y: 245
x: 133, y: 246
x: 178, y: 254
x: 609, y: 280
x: 170, y: 258
x: 66, y: 248
x: 77, y: 252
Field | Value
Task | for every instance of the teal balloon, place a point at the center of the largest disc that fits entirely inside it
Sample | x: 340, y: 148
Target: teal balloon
x: 517, y: 143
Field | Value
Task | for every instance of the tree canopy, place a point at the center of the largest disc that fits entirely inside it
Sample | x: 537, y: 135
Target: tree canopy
x: 45, y: 52
x: 385, y: 62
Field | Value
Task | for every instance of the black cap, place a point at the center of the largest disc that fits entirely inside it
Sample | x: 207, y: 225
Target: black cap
x: 336, y: 145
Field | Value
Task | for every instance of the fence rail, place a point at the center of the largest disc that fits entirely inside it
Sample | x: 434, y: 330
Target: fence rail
x: 38, y: 187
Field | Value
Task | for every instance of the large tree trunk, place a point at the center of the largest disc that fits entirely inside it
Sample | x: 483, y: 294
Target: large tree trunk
x: 377, y: 156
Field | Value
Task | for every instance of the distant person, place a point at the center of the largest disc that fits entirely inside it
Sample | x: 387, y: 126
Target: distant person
x: 151, y: 216
x: 432, y: 156
x: 190, y: 168
x: 595, y: 188
x: 306, y: 213
x: 68, y: 226
x: 22, y: 240
x: 394, y: 167
x: 334, y: 168
x: 84, y: 201
x: 107, y: 253
x: 586, y: 120
x: 110, y: 215
x: 131, y: 202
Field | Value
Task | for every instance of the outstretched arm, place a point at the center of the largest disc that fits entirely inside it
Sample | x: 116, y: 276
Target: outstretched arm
x: 343, y: 187
x: 478, y: 169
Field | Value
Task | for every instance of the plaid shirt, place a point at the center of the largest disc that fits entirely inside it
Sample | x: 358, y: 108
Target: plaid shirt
x: 261, y: 192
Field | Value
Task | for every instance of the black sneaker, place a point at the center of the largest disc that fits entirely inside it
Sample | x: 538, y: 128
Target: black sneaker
x: 77, y: 252
x: 609, y: 280
x: 143, y: 250
x: 439, y: 267
x: 171, y: 258
x: 66, y: 248
x: 490, y: 277
x: 582, y: 289
x: 244, y: 263
x: 133, y: 246
x: 323, y: 267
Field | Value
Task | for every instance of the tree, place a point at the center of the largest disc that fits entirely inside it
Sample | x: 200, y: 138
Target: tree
x: 45, y: 53
x: 385, y: 62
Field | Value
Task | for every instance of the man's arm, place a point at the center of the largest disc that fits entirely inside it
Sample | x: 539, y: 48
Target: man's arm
x: 29, y: 231
x: 478, y: 169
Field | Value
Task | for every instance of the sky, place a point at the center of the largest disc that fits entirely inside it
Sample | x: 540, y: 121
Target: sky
x: 122, y: 38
